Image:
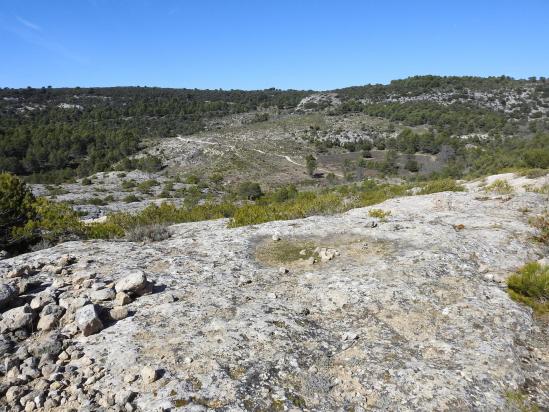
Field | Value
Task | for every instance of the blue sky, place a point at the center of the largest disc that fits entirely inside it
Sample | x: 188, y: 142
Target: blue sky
x: 260, y: 44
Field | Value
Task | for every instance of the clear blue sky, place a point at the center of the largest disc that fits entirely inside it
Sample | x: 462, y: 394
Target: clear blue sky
x: 302, y: 44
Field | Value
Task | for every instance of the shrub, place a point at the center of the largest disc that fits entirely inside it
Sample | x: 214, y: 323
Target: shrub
x: 216, y: 178
x: 250, y: 190
x: 147, y: 185
x: 285, y: 193
x: 131, y: 199
x: 16, y: 207
x: 379, y: 213
x: 192, y: 180
x: 316, y: 203
x: 499, y: 186
x: 412, y: 165
x: 128, y: 184
x: 86, y: 181
x: 310, y: 163
x: 442, y: 185
x: 53, y: 222
x: 530, y: 285
x: 104, y: 230
x: 537, y: 158
x: 152, y: 233
x: 541, y: 223
x: 97, y: 201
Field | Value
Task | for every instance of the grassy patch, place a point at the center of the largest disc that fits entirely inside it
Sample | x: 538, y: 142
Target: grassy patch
x: 530, y: 285
x: 541, y: 223
x: 285, y: 251
x: 379, y: 213
x: 518, y: 400
x: 499, y: 186
x: 441, y: 185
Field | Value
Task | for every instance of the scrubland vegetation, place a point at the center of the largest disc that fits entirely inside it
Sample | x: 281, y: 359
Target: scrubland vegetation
x: 530, y: 285
x: 37, y: 219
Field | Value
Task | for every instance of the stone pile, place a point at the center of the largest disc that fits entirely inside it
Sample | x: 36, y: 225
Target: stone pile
x: 45, y: 308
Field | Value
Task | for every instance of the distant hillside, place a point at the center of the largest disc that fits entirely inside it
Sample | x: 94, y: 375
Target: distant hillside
x: 55, y: 134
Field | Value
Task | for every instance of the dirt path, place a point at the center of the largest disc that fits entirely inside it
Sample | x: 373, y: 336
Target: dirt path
x: 288, y: 158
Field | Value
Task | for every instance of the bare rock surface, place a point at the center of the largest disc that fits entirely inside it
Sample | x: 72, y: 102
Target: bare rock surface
x: 400, y: 315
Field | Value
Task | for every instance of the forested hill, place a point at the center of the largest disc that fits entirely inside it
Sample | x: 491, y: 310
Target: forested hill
x: 57, y: 133
x: 82, y: 130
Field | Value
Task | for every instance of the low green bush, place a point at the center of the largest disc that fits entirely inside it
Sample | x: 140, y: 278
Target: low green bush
x: 379, y: 213
x: 500, y: 186
x: 131, y: 199
x: 148, y: 233
x: 530, y: 285
x: 441, y: 185
x: 16, y: 208
x: 147, y: 185
x: 541, y: 223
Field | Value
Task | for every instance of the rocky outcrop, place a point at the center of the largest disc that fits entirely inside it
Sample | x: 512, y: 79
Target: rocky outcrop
x: 409, y: 313
x: 44, y: 313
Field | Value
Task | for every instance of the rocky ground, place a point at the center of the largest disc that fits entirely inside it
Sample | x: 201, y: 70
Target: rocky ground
x: 407, y: 312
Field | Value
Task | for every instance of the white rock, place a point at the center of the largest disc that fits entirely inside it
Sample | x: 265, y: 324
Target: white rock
x: 102, y: 294
x: 122, y: 299
x: 149, y: 374
x: 47, y: 322
x: 131, y: 282
x: 88, y: 321
x: 17, y: 318
x: 41, y: 300
x: 118, y: 313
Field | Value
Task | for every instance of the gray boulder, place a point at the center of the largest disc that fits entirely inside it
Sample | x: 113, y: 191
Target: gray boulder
x: 17, y: 318
x: 7, y: 294
x: 88, y: 321
x: 133, y: 282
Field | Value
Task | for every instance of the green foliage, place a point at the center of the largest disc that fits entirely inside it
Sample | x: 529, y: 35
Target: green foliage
x: 316, y: 203
x: 286, y: 251
x: 284, y: 193
x: 310, y: 164
x: 54, y: 143
x: 541, y: 223
x: 499, y: 186
x: 379, y: 213
x: 53, y: 222
x: 97, y: 201
x: 442, y: 185
x: 148, y: 163
x: 250, y: 191
x: 537, y: 158
x: 411, y: 165
x: 131, y: 199
x: 152, y: 233
x: 147, y: 185
x: 519, y: 401
x: 260, y: 117
x: 168, y: 213
x: 86, y: 181
x: 216, y: 178
x: 530, y: 285
x: 16, y: 207
x: 192, y: 180
x: 389, y: 165
x: 104, y: 230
